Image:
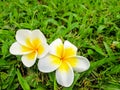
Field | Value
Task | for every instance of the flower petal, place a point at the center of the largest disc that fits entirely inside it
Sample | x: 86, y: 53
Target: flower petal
x: 65, y: 75
x: 29, y: 59
x: 80, y: 63
x: 17, y: 49
x: 43, y: 49
x: 37, y: 34
x: 22, y: 35
x: 69, y: 49
x: 56, y: 47
x: 49, y: 63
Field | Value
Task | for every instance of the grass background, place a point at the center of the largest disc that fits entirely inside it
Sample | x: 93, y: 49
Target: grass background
x: 92, y: 25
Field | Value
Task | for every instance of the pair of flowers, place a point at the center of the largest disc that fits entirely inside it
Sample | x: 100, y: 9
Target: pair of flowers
x: 56, y: 56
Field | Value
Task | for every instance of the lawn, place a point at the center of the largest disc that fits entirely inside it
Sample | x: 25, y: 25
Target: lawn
x: 91, y: 25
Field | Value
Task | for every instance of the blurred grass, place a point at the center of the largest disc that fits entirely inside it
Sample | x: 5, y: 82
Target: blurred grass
x: 93, y: 26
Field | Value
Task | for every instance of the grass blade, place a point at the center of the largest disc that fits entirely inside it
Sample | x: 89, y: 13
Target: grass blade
x: 109, y: 51
x: 22, y: 81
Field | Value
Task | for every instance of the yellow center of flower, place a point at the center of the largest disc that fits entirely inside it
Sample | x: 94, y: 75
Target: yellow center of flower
x: 66, y: 56
x: 62, y: 58
x: 33, y: 46
x: 64, y: 53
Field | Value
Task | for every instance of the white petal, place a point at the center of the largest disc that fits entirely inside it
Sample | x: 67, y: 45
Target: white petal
x: 82, y: 64
x: 43, y: 50
x: 69, y: 49
x: 16, y: 49
x: 49, y: 63
x: 22, y: 35
x: 56, y: 47
x: 65, y: 77
x: 38, y: 34
x: 29, y: 60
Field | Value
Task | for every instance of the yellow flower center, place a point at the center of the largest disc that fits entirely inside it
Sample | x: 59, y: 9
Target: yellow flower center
x: 33, y: 45
x: 62, y: 58
x: 65, y: 55
x: 35, y: 49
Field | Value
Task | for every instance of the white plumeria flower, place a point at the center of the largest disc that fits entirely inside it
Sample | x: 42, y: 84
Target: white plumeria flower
x: 30, y: 44
x: 63, y: 59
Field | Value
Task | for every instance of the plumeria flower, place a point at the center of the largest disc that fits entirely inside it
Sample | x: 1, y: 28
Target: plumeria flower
x: 63, y: 59
x: 30, y: 44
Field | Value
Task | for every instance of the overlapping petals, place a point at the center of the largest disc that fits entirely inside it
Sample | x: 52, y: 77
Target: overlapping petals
x: 30, y: 44
x: 63, y: 59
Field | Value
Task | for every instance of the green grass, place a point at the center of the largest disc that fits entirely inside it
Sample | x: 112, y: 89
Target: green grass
x: 92, y: 25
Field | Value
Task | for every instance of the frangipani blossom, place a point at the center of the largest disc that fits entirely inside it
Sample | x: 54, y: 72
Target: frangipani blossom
x: 30, y: 44
x: 63, y: 59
